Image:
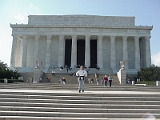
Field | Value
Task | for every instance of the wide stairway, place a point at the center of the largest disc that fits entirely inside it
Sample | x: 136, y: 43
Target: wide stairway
x: 48, y: 101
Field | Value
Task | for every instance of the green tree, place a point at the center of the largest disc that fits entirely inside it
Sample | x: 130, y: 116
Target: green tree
x: 5, y: 72
x: 151, y: 73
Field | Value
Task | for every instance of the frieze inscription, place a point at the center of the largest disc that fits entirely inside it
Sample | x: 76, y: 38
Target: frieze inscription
x: 87, y: 20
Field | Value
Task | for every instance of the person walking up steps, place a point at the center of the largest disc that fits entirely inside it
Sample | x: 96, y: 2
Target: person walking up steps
x: 82, y: 74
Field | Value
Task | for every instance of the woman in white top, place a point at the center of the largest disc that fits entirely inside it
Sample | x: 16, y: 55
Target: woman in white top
x: 82, y: 74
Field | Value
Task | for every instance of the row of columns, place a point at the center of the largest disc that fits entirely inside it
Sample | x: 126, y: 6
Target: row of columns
x: 87, y: 51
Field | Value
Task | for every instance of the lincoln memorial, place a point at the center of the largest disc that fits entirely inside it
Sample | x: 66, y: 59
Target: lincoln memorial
x: 89, y: 40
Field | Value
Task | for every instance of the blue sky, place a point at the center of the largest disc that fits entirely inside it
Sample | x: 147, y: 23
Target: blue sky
x: 146, y: 12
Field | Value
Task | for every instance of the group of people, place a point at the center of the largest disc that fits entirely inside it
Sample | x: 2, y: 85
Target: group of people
x: 104, y: 80
x: 62, y: 80
x: 82, y: 74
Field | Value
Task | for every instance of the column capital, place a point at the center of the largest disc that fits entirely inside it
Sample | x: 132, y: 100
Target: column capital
x: 112, y: 37
x: 124, y: 37
x: 100, y: 36
x: 61, y: 36
x: 36, y: 36
x: 87, y: 36
x: 147, y: 37
x: 74, y: 36
x: 14, y: 36
x: 25, y: 36
x: 49, y: 37
x: 136, y: 37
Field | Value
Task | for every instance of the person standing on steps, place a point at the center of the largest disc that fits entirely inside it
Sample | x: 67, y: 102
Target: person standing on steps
x: 96, y: 78
x: 82, y: 74
x: 105, y: 80
x: 110, y: 78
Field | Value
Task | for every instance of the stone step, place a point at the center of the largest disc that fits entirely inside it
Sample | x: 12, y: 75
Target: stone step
x: 76, y: 110
x: 113, y: 94
x: 64, y: 102
x: 78, y: 115
x: 79, y: 101
x: 72, y: 118
x: 75, y: 87
x: 71, y: 105
x: 69, y: 97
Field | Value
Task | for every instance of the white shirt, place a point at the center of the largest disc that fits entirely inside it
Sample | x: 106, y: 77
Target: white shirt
x: 81, y: 73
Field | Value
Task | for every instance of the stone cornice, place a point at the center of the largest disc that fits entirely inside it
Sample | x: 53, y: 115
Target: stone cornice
x: 79, y: 26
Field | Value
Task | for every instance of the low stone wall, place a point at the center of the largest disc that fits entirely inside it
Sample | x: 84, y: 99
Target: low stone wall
x: 73, y: 79
x: 27, y: 76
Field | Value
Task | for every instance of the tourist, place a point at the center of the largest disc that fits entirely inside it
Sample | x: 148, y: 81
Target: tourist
x: 110, y: 78
x: 82, y: 74
x: 102, y: 81
x: 89, y: 80
x: 97, y: 81
x: 48, y: 79
x: 105, y: 80
x: 40, y: 79
x: 53, y: 72
x: 61, y: 68
x: 96, y: 75
x: 92, y: 81
x: 71, y: 74
x: 64, y: 81
x: 61, y: 80
x: 96, y: 78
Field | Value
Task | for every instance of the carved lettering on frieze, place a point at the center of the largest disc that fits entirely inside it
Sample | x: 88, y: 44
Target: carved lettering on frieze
x: 82, y: 20
x: 74, y: 29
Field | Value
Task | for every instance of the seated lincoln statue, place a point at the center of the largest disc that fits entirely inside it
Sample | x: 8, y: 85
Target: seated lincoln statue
x: 122, y: 64
x: 37, y: 64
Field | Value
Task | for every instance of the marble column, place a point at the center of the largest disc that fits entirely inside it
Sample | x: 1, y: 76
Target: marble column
x: 61, y: 51
x: 113, y: 55
x: 87, y: 51
x: 74, y: 51
x: 100, y: 52
x: 24, y: 51
x: 137, y: 52
x: 148, y: 52
x: 36, y: 45
x: 48, y: 51
x: 13, y: 53
x: 125, y: 51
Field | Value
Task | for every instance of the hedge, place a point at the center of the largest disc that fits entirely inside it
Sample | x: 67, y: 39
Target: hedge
x: 11, y: 80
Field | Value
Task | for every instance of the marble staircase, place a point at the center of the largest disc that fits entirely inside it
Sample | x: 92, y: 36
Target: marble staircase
x: 48, y: 101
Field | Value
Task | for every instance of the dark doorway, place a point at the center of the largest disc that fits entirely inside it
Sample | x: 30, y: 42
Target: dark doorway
x: 68, y: 45
x: 80, y: 52
x: 93, y: 53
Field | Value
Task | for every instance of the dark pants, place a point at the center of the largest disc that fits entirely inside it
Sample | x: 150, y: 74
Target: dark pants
x: 110, y: 83
x: 105, y: 83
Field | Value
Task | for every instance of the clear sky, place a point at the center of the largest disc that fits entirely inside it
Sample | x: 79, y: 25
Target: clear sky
x: 146, y: 12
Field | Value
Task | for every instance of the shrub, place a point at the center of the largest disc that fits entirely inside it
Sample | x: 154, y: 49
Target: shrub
x: 149, y: 74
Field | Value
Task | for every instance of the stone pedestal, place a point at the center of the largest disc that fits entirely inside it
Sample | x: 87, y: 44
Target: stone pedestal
x: 37, y: 75
x: 122, y: 76
x: 157, y: 83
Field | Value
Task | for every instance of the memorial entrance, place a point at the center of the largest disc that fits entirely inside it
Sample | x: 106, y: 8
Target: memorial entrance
x: 68, y: 45
x: 93, y: 53
x: 80, y: 52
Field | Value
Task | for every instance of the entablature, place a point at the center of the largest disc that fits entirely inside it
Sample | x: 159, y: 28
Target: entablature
x: 79, y: 26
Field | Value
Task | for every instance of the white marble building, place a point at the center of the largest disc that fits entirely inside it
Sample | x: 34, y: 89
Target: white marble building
x: 58, y: 40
